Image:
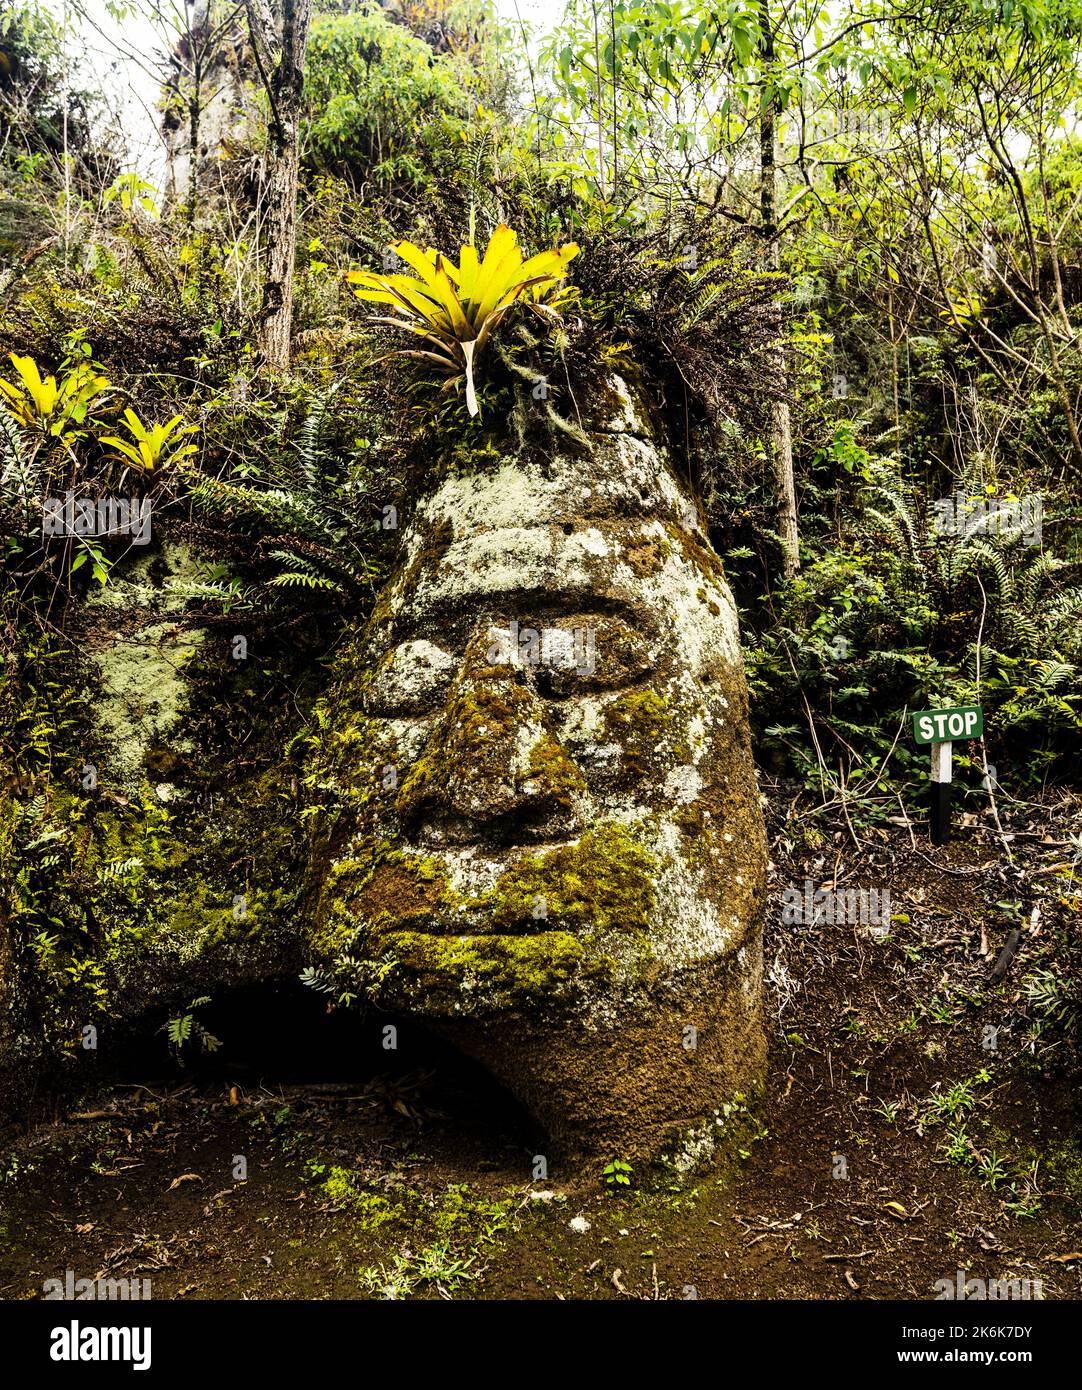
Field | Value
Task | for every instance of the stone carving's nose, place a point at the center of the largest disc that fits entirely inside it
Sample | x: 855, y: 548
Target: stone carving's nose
x: 493, y: 759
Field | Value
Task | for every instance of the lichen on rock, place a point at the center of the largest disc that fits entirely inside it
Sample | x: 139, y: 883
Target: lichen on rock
x: 568, y: 858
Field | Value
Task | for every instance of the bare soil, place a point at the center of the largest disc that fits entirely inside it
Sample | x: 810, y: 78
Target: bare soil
x: 897, y: 1142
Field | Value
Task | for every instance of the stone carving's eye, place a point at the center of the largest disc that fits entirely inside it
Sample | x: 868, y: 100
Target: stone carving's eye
x: 590, y: 653
x: 410, y: 680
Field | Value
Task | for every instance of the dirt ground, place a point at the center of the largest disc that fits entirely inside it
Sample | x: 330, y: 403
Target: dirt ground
x: 921, y: 1117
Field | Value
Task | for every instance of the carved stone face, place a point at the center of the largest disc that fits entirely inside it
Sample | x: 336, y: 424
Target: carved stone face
x: 558, y: 853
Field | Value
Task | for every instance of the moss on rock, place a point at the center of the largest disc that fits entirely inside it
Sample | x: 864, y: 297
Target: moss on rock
x: 602, y: 883
x: 481, y: 973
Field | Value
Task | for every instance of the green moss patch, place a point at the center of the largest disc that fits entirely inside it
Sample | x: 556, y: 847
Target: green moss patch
x: 604, y: 882
x: 497, y: 970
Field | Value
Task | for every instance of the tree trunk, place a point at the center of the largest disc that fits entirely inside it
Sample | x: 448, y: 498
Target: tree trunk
x: 782, y: 438
x: 284, y: 89
x: 194, y: 114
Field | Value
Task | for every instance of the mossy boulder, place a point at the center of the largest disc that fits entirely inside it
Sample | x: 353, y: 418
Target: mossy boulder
x: 156, y: 853
x: 548, y: 836
x: 519, y: 804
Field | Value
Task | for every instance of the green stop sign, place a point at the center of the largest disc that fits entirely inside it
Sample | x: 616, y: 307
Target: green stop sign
x: 946, y: 725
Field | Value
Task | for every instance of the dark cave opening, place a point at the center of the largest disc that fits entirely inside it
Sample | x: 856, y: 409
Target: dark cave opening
x: 281, y: 1034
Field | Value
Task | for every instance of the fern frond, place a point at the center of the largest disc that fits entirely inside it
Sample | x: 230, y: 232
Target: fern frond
x: 293, y: 580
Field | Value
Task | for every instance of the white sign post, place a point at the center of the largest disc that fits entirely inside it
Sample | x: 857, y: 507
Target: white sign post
x: 939, y: 728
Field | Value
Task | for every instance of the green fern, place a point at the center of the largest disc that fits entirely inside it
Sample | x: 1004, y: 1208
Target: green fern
x: 301, y: 517
x: 186, y: 1028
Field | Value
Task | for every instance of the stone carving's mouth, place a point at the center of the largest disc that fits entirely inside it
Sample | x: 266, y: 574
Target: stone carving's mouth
x: 498, y: 837
x: 602, y: 881
x: 498, y: 862
x: 495, y: 852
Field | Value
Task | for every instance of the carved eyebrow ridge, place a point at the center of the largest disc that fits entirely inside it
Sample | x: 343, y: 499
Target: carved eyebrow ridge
x: 450, y: 619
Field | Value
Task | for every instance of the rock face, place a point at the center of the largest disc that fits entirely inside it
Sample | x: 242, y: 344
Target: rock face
x: 163, y: 859
x: 554, y: 851
x: 226, y: 107
x: 527, y: 815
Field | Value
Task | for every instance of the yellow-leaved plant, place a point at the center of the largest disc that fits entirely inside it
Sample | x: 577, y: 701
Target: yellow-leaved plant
x: 160, y: 446
x: 454, y: 307
x: 45, y: 404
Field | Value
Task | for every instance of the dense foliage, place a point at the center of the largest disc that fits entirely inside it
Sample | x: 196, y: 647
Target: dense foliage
x: 917, y: 261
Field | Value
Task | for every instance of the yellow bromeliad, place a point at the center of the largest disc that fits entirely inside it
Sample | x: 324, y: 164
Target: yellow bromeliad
x: 156, y: 447
x: 38, y: 402
x: 454, y: 308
